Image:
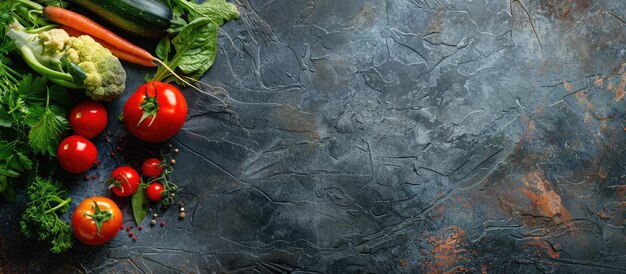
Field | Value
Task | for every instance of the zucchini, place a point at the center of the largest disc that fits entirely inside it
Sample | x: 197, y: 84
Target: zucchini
x: 144, y: 18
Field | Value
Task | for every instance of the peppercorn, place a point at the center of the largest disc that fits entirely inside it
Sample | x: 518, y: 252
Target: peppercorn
x: 175, y: 150
x: 134, y: 239
x: 140, y: 227
x: 154, y: 215
x: 182, y: 209
x: 131, y: 234
x: 172, y: 161
x: 181, y: 215
x: 153, y: 222
x: 122, y: 227
x: 162, y: 223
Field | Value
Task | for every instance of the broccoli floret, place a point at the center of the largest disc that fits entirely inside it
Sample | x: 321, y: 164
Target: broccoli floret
x: 72, y: 62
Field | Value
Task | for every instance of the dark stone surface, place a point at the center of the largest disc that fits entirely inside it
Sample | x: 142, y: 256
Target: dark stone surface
x: 388, y: 136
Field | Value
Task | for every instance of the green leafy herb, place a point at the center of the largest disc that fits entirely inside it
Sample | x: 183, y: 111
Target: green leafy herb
x: 46, y: 127
x: 48, y: 201
x: 31, y: 118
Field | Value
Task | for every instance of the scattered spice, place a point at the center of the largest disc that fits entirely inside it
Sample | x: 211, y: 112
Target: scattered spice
x: 172, y: 161
x: 93, y: 177
x: 153, y: 222
x: 134, y: 239
x: 131, y: 234
x: 154, y: 215
x: 181, y: 215
x: 122, y: 227
x: 162, y: 223
x: 140, y: 227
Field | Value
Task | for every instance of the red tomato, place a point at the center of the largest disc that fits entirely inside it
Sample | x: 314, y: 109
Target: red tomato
x: 154, y: 191
x: 76, y: 154
x: 155, y: 112
x: 124, y: 181
x: 152, y: 168
x: 95, y: 210
x: 88, y: 119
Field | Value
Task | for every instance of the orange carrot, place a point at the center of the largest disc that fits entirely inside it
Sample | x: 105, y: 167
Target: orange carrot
x: 115, y: 51
x: 95, y: 30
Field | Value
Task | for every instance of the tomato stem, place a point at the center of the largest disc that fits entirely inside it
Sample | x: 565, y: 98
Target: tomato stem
x: 99, y: 216
x: 149, y: 106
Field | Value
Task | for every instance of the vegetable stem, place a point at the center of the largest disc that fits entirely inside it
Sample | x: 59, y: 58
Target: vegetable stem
x: 31, y: 4
x: 61, y: 204
x: 33, y: 63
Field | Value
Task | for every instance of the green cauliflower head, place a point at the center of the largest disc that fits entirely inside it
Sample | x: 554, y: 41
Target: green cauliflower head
x: 106, y: 78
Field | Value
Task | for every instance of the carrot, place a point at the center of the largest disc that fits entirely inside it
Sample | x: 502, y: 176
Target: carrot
x: 95, y: 30
x: 115, y: 51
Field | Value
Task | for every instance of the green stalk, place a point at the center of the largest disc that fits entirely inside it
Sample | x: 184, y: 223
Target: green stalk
x: 33, y: 63
x: 61, y: 204
x: 31, y: 4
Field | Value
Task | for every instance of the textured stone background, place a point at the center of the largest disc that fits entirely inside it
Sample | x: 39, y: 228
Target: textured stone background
x: 389, y: 136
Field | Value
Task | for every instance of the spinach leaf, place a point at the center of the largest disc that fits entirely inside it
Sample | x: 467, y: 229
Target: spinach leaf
x: 196, y: 46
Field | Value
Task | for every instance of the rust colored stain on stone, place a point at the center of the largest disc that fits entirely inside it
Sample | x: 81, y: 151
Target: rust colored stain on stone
x: 598, y: 81
x: 532, y: 195
x: 542, y: 198
x: 546, y: 246
x: 449, y: 249
x: 568, y: 86
x: 619, y: 91
x: 566, y: 11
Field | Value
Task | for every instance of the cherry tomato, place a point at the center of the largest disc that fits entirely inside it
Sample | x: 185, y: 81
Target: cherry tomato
x: 155, y: 112
x: 92, y: 211
x: 154, y: 191
x: 152, y: 168
x: 88, y: 119
x: 124, y: 181
x: 77, y: 154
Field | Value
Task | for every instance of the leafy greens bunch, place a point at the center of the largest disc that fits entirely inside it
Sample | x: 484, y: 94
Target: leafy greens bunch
x: 32, y: 122
x: 191, y: 45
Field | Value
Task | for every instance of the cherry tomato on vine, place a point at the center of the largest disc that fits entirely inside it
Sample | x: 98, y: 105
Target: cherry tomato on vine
x: 96, y: 220
x: 152, y: 167
x: 124, y: 181
x: 154, y: 191
x: 76, y: 154
x: 155, y: 112
x: 88, y: 119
